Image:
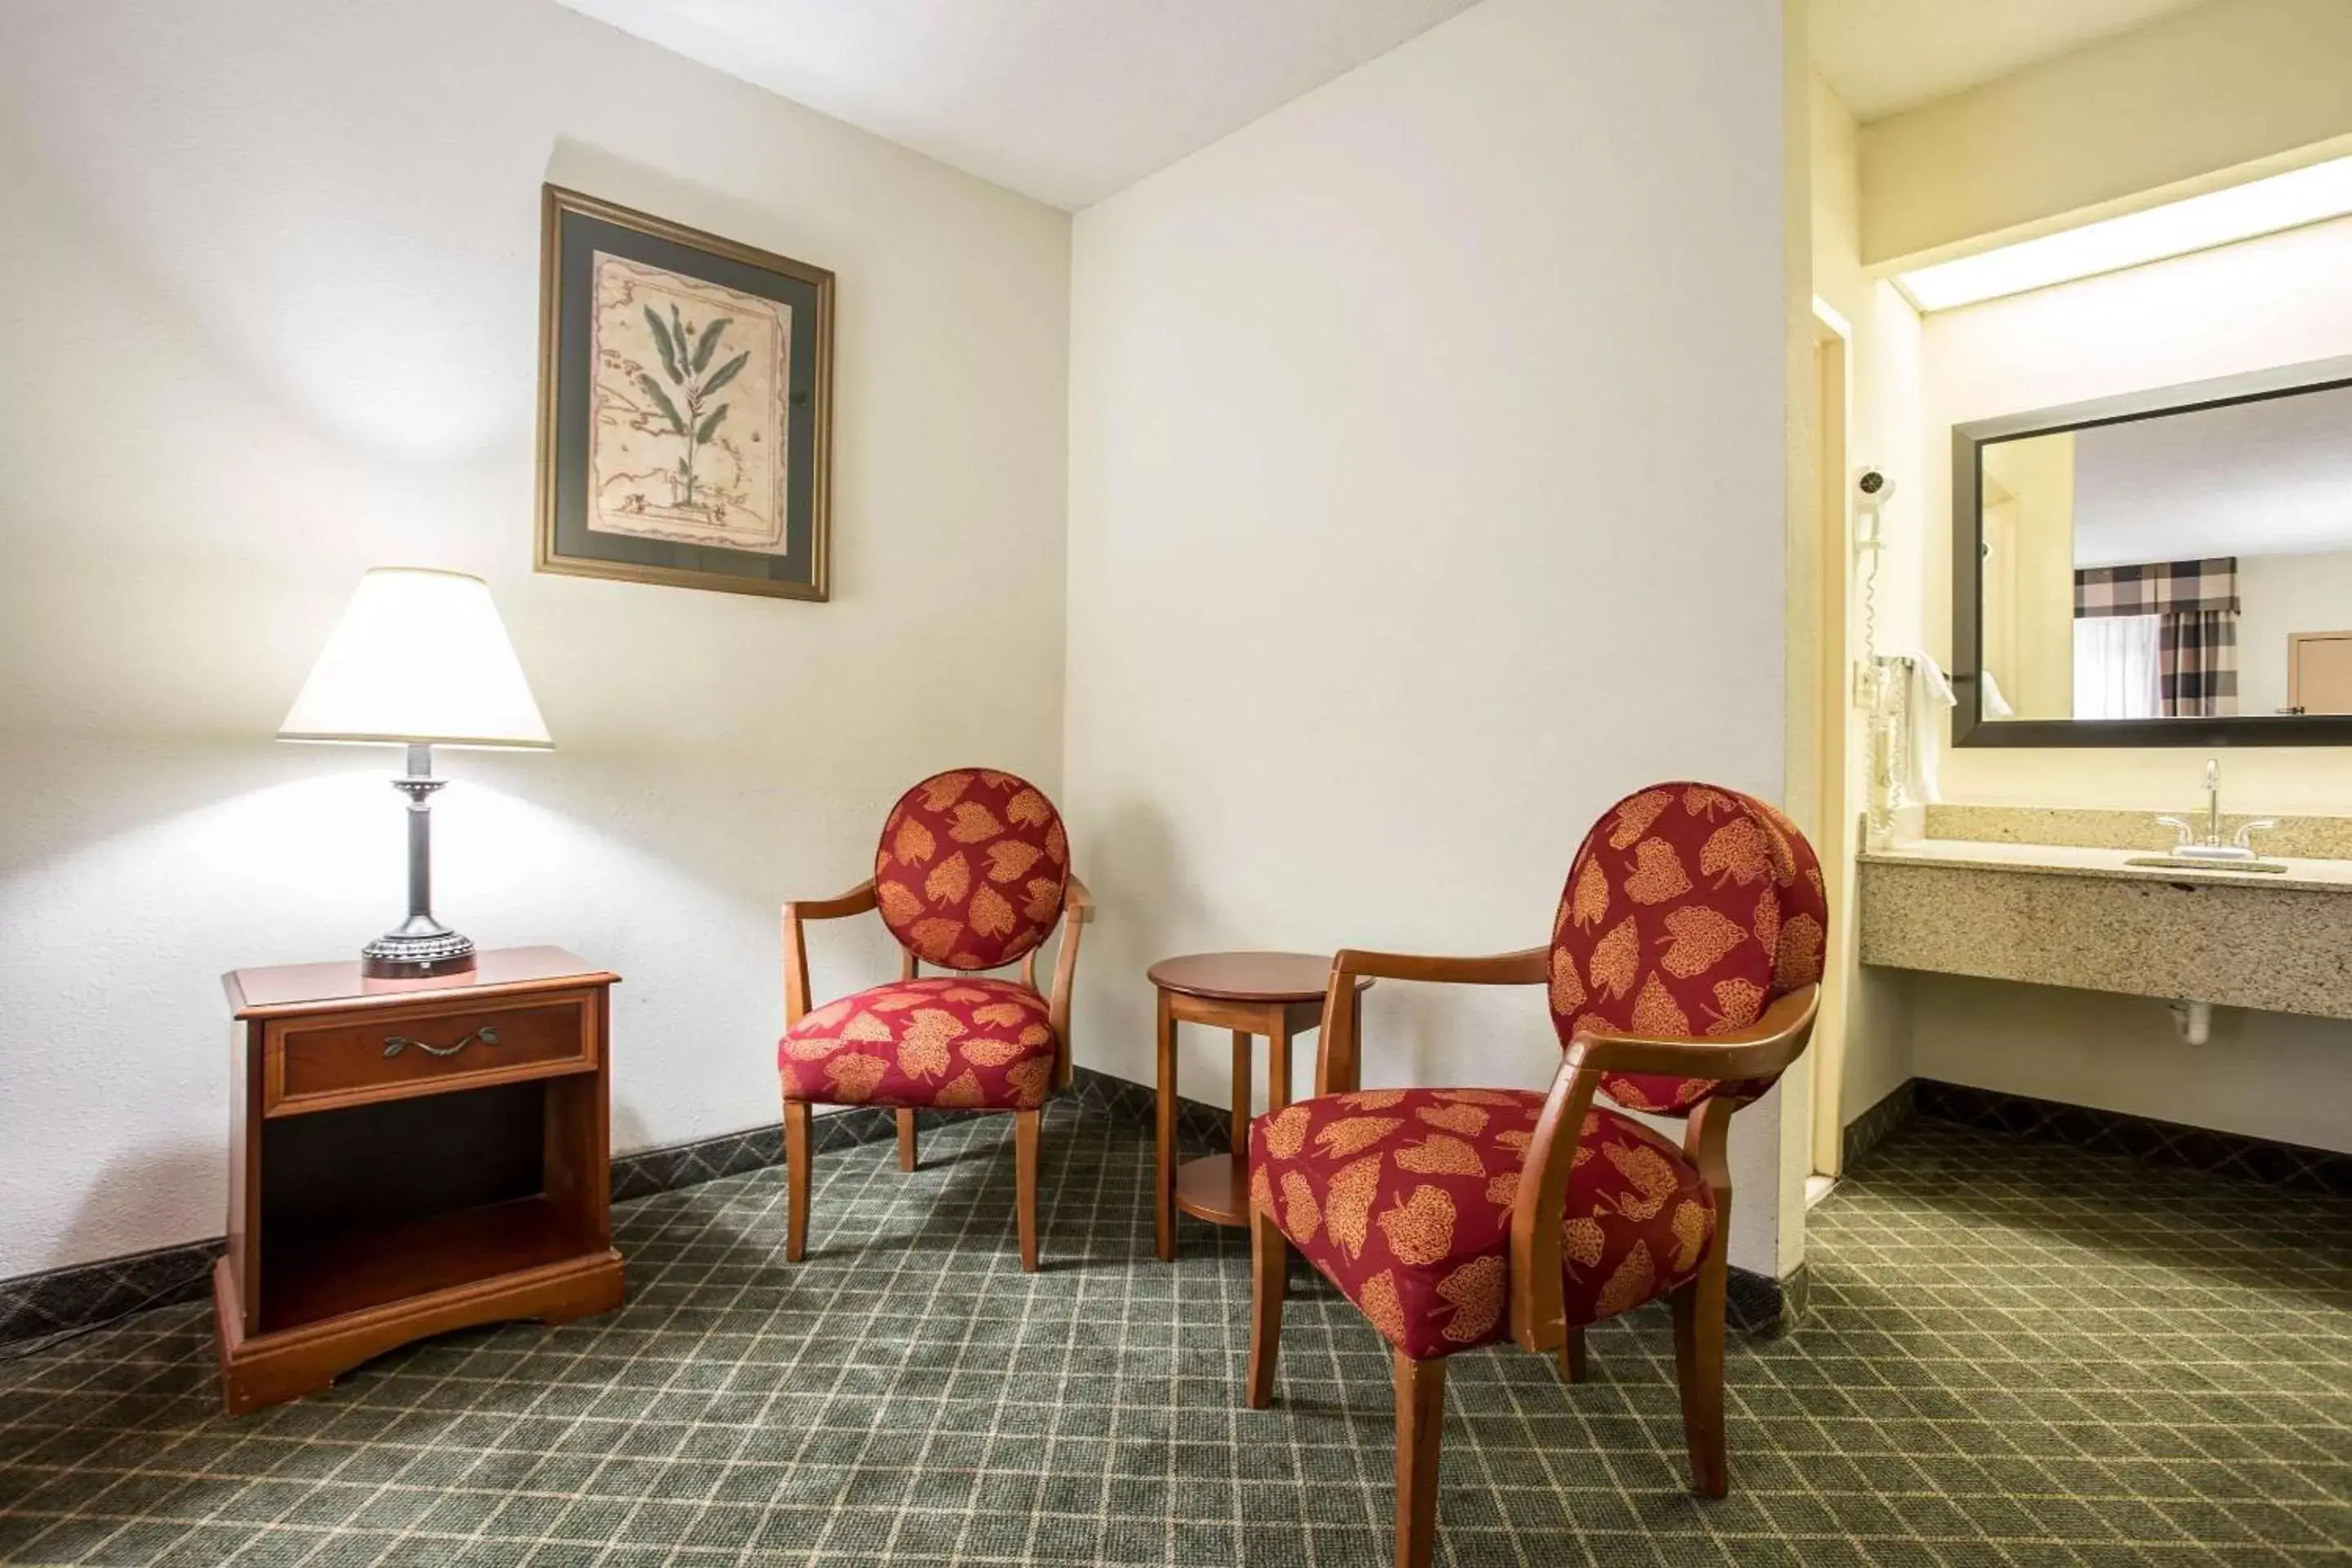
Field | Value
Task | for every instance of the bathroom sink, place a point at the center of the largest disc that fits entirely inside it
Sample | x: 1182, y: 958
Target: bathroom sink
x: 2177, y: 863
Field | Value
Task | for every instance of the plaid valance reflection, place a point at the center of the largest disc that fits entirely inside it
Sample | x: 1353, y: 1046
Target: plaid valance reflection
x: 2158, y: 588
x: 2197, y: 633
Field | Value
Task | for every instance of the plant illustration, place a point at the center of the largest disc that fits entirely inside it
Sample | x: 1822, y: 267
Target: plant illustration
x: 686, y: 355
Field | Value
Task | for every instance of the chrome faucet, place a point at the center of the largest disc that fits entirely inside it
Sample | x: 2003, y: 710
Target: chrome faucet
x: 2213, y: 847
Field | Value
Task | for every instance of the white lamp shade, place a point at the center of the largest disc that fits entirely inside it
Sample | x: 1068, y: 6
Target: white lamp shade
x: 420, y: 657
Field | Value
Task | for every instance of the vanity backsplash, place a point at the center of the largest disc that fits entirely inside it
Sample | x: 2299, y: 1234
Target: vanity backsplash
x: 2293, y: 837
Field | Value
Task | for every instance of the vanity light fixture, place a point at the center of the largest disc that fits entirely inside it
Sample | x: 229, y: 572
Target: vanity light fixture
x: 2291, y: 200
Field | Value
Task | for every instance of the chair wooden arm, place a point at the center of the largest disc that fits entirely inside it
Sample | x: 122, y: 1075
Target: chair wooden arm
x: 1538, y: 1319
x: 841, y: 906
x: 857, y: 901
x: 1335, y: 1064
x: 1077, y: 909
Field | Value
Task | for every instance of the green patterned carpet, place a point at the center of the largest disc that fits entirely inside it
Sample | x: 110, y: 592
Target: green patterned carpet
x: 2015, y: 1354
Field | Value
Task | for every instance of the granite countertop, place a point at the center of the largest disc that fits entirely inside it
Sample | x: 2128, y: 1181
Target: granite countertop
x: 2074, y: 860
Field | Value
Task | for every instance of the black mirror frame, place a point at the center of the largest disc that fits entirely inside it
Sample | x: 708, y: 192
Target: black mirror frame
x: 1969, y: 727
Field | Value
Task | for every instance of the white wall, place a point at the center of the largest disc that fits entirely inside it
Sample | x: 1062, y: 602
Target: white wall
x: 2279, y: 595
x: 1427, y: 466
x: 272, y: 267
x: 2262, y: 303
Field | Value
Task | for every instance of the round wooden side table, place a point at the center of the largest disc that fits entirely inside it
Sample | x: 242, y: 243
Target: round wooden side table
x: 1277, y: 995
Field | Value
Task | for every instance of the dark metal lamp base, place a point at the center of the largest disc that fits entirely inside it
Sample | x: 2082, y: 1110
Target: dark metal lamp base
x: 419, y: 946
x: 393, y: 956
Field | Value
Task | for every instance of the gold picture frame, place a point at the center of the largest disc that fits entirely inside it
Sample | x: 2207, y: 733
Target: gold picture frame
x: 685, y: 406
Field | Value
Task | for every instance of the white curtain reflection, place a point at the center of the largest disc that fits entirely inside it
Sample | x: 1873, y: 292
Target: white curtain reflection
x: 2116, y: 673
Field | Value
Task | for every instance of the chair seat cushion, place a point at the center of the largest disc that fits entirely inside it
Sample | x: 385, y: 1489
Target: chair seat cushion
x: 1401, y: 1197
x: 946, y: 1040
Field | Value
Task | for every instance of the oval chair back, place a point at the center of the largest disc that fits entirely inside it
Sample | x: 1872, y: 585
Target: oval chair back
x: 1689, y: 909
x: 972, y: 868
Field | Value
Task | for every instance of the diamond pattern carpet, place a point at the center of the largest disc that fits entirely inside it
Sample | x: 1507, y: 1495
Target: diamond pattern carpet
x: 2015, y: 1354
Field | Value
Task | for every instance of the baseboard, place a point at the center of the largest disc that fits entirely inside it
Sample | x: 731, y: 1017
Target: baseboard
x: 80, y: 1295
x: 1767, y: 1308
x: 83, y: 1294
x: 2235, y: 1154
x: 650, y: 1170
x: 1871, y: 1129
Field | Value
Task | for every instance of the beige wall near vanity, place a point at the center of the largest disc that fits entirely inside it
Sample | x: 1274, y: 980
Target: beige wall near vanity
x: 2271, y: 301
x: 2094, y: 132
x: 2181, y: 104
x: 2277, y: 300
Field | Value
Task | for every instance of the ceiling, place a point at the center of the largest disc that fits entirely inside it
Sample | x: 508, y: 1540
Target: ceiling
x: 1065, y: 100
x: 1886, y: 56
x: 2273, y: 477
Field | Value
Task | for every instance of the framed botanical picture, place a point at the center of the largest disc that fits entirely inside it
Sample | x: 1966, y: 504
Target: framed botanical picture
x: 685, y: 391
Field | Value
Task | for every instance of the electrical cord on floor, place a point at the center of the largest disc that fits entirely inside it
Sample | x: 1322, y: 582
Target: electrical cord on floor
x: 33, y: 1347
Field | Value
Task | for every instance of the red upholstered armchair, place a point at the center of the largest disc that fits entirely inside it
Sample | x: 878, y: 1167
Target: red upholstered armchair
x: 971, y: 873
x: 1682, y: 972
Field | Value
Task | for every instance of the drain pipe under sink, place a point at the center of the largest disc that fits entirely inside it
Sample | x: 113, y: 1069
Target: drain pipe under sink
x: 2194, y: 1020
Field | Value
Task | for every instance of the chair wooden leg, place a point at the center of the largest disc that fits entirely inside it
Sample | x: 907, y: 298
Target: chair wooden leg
x: 796, y: 1181
x: 905, y: 1139
x: 1269, y: 1281
x: 1024, y: 1200
x: 1573, y: 1367
x: 1420, y: 1418
x: 1698, y: 1309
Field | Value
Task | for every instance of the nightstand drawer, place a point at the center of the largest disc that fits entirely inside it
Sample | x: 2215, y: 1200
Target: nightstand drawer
x: 325, y: 1063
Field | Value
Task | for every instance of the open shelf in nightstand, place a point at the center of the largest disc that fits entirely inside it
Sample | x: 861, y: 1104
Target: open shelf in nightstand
x: 328, y: 1276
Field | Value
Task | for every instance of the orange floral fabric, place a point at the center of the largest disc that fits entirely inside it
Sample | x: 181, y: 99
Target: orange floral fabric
x: 971, y: 868
x: 1401, y: 1197
x: 945, y: 1040
x: 1688, y: 911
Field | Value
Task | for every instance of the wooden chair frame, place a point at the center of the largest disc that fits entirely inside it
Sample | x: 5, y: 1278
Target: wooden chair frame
x: 1078, y: 907
x: 1539, y: 1318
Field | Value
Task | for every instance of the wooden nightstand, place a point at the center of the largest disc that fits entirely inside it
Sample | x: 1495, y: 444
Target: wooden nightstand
x: 407, y: 1157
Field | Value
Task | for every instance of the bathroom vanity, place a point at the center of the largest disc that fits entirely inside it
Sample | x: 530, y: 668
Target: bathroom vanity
x: 2054, y: 898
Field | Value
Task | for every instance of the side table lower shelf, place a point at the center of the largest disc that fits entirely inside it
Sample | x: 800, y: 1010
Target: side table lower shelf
x: 269, y: 1368
x: 1215, y: 1188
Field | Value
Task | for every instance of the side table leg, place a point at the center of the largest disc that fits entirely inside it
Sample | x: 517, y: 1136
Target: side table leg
x: 1243, y: 1075
x: 1163, y: 1187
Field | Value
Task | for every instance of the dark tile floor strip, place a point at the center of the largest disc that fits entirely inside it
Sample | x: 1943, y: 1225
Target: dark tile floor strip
x: 2141, y: 1137
x: 1875, y: 1125
x: 2015, y: 1354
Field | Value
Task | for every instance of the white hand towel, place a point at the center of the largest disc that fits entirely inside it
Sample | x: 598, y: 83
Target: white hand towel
x: 1925, y: 698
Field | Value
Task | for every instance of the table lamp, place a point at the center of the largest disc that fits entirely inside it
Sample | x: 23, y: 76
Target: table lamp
x: 420, y: 660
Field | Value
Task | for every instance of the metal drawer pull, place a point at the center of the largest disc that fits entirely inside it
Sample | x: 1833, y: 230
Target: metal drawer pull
x: 395, y: 1044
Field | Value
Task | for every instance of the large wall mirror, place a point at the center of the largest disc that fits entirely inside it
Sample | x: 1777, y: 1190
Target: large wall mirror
x: 2170, y: 568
